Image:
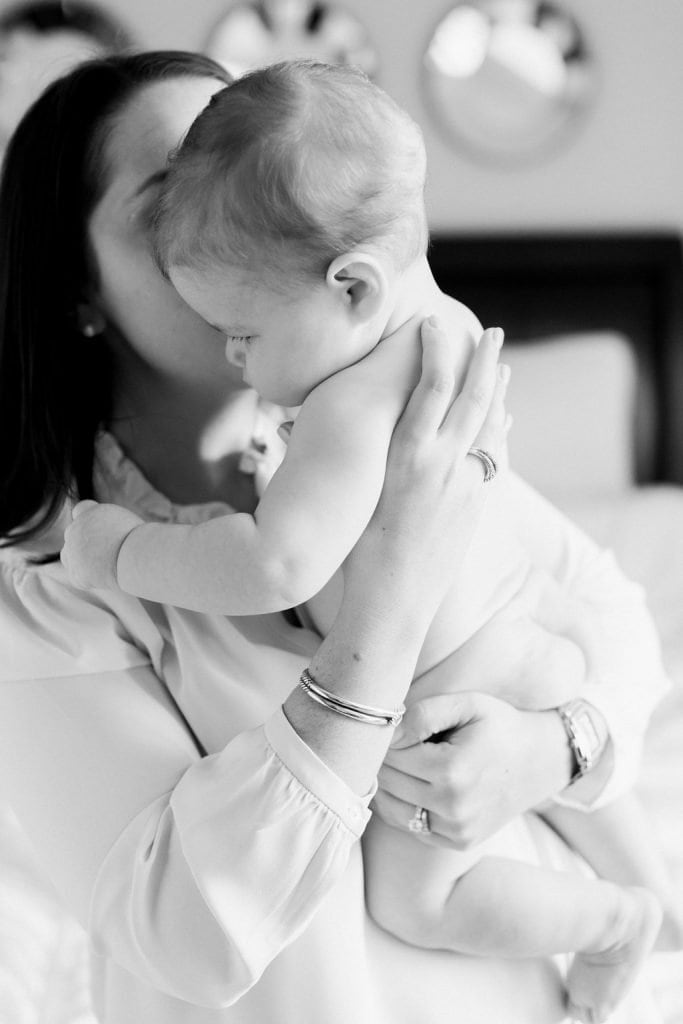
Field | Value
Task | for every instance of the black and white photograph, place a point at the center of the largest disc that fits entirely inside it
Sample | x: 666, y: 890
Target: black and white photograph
x: 312, y: 315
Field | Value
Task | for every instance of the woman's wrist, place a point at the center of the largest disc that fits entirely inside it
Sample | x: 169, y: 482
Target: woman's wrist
x: 592, y: 752
x: 366, y: 665
x: 557, y: 755
x: 376, y: 638
x: 386, y: 598
x: 368, y: 714
x: 368, y: 657
x: 554, y: 751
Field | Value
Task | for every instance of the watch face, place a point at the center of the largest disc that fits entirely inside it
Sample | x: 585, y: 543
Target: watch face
x: 29, y: 61
x: 587, y: 739
x: 588, y: 734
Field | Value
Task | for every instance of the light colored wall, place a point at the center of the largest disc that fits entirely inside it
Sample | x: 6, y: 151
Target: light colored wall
x: 625, y: 168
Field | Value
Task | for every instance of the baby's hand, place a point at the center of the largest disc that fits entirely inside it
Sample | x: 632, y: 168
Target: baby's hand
x: 92, y: 543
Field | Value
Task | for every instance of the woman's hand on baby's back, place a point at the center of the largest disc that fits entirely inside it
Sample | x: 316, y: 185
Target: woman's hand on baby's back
x: 433, y: 494
x: 92, y: 542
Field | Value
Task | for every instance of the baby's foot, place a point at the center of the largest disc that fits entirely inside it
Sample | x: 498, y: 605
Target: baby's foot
x: 598, y: 981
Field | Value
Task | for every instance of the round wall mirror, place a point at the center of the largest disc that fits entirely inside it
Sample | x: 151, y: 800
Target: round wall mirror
x: 262, y: 32
x: 507, y: 80
x: 42, y: 40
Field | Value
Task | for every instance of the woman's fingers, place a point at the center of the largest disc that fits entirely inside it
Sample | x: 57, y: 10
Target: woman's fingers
x: 434, y: 715
x: 404, y: 787
x: 431, y: 403
x: 393, y: 811
x: 433, y: 394
x: 478, y: 405
x: 422, y: 760
x: 493, y: 432
x: 398, y: 813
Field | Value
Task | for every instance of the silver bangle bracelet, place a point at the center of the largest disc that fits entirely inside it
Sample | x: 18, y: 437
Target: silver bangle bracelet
x: 349, y: 708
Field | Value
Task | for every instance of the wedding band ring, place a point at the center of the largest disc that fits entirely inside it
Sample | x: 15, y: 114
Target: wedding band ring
x: 420, y: 821
x: 487, y: 461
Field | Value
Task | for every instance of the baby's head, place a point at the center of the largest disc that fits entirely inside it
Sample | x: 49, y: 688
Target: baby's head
x: 297, y: 195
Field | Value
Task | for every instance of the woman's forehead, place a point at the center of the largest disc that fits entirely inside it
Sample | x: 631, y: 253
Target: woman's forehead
x: 151, y: 124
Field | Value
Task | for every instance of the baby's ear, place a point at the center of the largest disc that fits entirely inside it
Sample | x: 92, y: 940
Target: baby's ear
x: 360, y: 282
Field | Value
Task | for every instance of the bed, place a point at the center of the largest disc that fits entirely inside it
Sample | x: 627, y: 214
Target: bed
x: 593, y: 327
x: 570, y: 286
x: 593, y: 335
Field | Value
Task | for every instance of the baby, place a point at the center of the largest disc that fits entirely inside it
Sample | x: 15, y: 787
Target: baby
x: 293, y: 221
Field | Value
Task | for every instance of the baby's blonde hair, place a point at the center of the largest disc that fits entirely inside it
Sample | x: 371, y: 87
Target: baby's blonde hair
x: 291, y: 166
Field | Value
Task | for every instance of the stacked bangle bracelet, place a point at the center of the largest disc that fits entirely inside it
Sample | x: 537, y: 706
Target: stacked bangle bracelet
x: 349, y: 708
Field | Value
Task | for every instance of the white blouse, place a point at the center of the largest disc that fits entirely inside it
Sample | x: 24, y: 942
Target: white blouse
x: 211, y: 855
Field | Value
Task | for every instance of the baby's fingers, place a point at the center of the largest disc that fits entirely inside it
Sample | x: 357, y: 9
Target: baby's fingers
x: 82, y: 506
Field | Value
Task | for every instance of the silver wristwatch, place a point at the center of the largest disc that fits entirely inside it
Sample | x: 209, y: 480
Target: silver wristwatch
x: 586, y: 734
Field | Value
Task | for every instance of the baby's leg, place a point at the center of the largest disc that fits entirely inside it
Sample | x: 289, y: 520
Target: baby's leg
x: 508, y: 618
x: 507, y: 908
x: 512, y: 656
x: 617, y: 842
x: 516, y: 659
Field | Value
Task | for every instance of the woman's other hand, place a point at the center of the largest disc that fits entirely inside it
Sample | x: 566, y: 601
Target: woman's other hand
x: 474, y: 762
x: 92, y: 542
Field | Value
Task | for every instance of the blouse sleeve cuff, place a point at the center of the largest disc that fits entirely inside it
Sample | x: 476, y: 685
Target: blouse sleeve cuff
x: 315, y: 776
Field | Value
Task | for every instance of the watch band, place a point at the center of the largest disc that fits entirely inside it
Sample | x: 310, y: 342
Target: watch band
x: 586, y: 739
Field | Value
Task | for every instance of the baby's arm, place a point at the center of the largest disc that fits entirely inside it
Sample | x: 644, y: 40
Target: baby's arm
x: 313, y: 511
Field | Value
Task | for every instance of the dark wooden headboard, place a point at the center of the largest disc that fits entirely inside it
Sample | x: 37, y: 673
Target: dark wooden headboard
x: 536, y: 286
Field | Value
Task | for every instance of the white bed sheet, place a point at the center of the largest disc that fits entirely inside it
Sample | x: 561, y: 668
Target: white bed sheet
x: 644, y: 528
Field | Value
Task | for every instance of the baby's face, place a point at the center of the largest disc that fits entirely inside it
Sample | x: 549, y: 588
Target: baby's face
x: 285, y: 341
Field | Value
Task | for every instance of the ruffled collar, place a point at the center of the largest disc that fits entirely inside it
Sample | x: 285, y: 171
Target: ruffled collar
x: 119, y: 480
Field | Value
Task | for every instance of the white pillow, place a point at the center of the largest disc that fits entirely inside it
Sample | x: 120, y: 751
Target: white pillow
x: 572, y: 399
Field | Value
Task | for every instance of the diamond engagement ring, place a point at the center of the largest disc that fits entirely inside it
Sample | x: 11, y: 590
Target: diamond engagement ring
x: 487, y: 461
x: 420, y: 821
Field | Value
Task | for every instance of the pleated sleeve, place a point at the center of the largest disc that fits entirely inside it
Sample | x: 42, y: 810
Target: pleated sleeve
x: 192, y: 872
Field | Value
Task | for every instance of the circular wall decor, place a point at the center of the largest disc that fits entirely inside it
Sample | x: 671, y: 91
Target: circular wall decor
x: 261, y: 32
x: 41, y: 41
x: 507, y: 80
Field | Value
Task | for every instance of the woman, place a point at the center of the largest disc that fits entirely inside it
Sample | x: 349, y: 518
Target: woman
x: 214, y: 858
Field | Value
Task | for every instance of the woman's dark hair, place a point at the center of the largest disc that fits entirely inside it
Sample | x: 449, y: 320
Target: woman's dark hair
x: 55, y: 384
